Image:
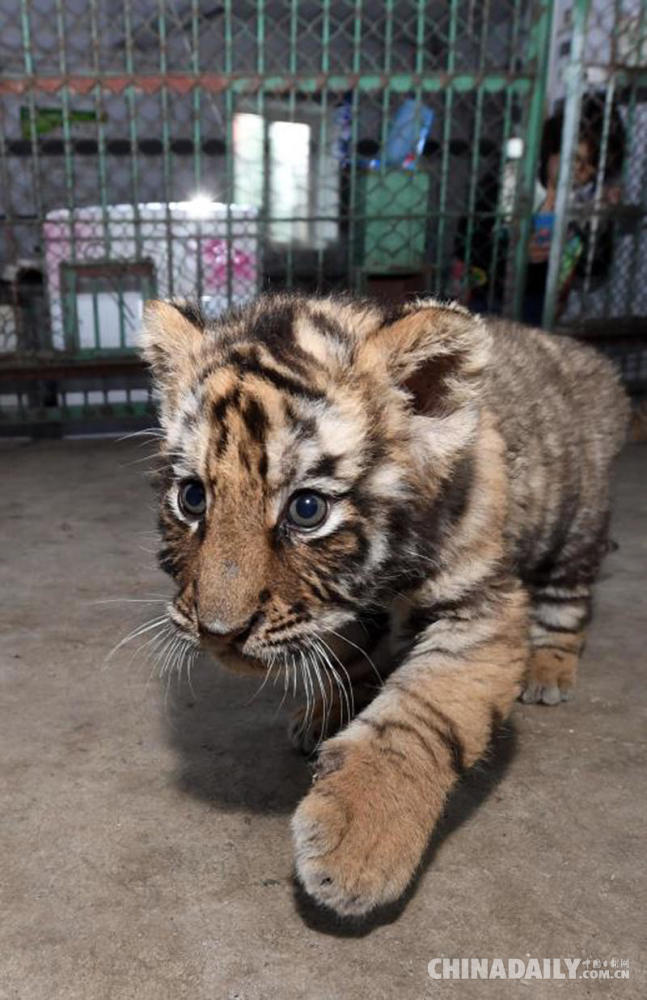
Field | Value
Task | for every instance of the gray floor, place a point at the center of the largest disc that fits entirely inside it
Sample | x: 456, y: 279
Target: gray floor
x: 145, y: 844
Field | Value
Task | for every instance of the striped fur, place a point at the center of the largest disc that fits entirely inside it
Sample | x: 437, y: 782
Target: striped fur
x: 465, y: 469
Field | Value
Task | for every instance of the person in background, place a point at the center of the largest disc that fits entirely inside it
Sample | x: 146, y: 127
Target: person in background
x: 484, y: 284
x: 586, y: 163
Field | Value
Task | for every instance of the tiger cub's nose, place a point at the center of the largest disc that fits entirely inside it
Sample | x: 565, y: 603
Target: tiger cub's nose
x: 230, y: 635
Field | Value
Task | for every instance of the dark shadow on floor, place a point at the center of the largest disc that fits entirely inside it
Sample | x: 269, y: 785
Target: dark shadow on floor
x: 475, y: 787
x: 234, y: 752
x: 232, y: 743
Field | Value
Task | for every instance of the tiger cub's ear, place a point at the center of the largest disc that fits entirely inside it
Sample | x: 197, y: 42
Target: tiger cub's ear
x: 436, y: 352
x: 170, y: 339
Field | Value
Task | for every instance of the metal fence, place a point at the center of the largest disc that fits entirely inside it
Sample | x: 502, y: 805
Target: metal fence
x: 605, y: 85
x: 215, y: 150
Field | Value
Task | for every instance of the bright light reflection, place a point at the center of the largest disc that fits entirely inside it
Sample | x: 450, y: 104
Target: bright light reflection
x: 199, y: 206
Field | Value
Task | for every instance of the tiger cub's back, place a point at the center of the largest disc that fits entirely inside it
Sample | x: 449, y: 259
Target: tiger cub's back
x: 563, y: 415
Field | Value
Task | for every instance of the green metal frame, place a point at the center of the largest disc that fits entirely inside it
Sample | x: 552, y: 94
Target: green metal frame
x: 539, y: 51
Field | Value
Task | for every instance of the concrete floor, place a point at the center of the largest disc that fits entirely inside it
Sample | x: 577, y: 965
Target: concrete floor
x: 145, y: 843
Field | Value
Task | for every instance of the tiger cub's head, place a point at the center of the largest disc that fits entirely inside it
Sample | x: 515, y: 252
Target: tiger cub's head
x: 308, y: 443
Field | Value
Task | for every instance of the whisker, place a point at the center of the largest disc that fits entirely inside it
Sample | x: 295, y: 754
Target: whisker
x: 166, y: 651
x: 186, y: 654
x: 154, y: 456
x: 327, y: 708
x: 315, y: 663
x: 177, y: 666
x: 166, y: 692
x: 190, y: 663
x: 348, y: 696
x: 129, y: 600
x: 158, y: 644
x: 163, y: 651
x: 154, y: 623
x: 263, y: 682
x: 359, y: 649
x: 285, y: 685
x: 150, y: 642
x: 309, y: 692
x: 332, y: 677
x: 329, y: 651
x: 156, y: 432
x: 174, y: 649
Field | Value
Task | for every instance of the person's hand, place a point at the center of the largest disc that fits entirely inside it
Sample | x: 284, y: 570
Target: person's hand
x: 612, y: 195
x: 539, y: 247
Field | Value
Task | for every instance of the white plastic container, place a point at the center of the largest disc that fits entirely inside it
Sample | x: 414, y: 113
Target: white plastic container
x: 185, y: 244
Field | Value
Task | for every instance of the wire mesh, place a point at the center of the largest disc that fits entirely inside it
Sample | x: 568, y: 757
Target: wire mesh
x: 184, y: 149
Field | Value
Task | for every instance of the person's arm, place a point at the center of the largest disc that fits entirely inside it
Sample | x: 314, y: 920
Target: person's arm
x: 539, y: 246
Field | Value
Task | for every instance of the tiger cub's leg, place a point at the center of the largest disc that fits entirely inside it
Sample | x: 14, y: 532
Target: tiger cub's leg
x: 558, y: 616
x: 381, y: 784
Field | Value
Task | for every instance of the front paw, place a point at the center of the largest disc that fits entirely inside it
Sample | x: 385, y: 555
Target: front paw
x: 360, y: 832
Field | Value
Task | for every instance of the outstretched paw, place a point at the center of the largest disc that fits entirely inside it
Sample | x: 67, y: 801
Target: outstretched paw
x: 360, y: 832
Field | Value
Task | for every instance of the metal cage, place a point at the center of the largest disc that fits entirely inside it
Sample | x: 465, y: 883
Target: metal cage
x: 213, y: 151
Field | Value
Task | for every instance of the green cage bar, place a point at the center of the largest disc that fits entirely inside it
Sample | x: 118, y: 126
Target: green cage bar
x: 539, y: 38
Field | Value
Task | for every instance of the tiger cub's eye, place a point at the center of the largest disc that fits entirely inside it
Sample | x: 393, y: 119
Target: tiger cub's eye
x: 192, y: 498
x: 307, y: 509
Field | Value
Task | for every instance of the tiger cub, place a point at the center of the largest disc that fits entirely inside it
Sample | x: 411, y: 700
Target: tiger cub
x: 404, y: 509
